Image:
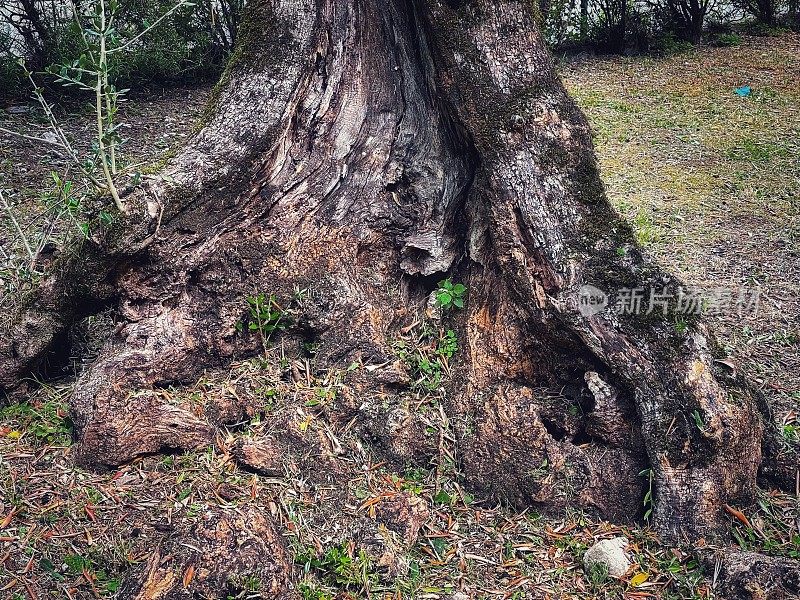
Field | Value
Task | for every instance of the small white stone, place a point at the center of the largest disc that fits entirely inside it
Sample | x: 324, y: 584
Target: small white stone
x: 610, y: 553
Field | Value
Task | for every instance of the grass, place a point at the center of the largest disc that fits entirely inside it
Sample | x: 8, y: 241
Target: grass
x: 710, y: 182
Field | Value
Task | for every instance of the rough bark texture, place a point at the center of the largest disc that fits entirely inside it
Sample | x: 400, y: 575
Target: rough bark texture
x: 753, y: 576
x: 363, y: 151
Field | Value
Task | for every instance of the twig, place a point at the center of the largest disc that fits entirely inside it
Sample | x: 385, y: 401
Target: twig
x: 99, y: 93
x: 18, y: 228
x: 32, y: 138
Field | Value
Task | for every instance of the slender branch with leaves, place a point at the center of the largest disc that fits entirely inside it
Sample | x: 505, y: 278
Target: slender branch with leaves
x: 94, y: 72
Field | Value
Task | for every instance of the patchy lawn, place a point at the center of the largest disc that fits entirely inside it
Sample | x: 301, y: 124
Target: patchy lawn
x: 710, y: 181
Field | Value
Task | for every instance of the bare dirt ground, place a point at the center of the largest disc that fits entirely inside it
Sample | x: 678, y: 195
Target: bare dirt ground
x: 711, y: 183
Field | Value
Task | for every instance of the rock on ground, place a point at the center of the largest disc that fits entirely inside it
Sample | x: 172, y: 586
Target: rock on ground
x: 610, y: 553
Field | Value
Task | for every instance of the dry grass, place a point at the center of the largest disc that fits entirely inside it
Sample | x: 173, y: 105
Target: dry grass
x: 68, y: 533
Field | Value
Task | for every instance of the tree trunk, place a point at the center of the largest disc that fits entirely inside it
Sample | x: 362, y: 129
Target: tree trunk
x: 365, y: 151
x: 584, y: 26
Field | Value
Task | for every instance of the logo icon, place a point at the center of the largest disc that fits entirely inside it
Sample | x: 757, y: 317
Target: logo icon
x: 591, y: 300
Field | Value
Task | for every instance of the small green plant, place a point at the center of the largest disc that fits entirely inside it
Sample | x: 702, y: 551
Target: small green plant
x: 309, y: 591
x: 450, y: 295
x: 428, y: 356
x: 597, y: 574
x: 246, y: 583
x: 448, y: 344
x: 648, y: 497
x: 48, y: 422
x: 791, y: 433
x: 340, y: 566
x: 698, y: 420
x: 265, y: 317
x: 93, y: 72
x: 77, y: 564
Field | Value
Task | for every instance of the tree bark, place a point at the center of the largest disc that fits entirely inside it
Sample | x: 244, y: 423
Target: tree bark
x: 364, y: 151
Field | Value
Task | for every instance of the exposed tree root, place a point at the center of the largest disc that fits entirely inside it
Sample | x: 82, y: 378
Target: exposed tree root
x: 223, y: 555
x: 753, y: 576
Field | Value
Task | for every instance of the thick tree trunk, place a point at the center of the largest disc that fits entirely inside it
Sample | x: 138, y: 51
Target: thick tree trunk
x: 364, y: 151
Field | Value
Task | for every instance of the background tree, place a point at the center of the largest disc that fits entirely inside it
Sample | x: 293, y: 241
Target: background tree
x: 194, y: 42
x: 686, y: 17
x: 765, y: 11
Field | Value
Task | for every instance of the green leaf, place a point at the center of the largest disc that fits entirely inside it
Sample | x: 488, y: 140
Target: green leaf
x: 76, y: 563
x: 459, y: 289
x: 459, y: 302
x: 442, y: 497
x: 440, y: 545
x: 48, y: 568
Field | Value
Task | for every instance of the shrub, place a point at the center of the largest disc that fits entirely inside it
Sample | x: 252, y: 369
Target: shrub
x: 193, y: 42
x: 727, y: 39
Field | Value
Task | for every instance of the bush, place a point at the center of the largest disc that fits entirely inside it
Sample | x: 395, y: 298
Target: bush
x: 193, y: 42
x: 12, y: 82
x: 668, y: 44
x: 727, y: 39
x: 660, y: 26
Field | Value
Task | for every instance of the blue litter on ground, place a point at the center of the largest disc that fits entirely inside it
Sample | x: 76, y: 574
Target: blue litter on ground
x: 743, y: 91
